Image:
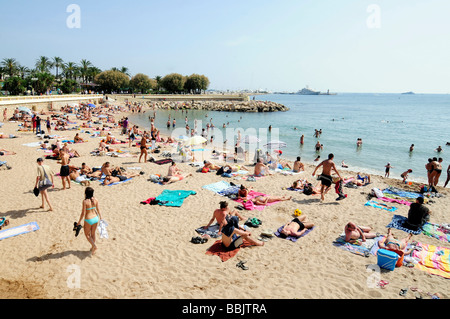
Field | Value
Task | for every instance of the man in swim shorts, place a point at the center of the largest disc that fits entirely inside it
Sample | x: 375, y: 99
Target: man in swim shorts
x: 325, y: 177
x: 233, y: 235
x: 65, y: 170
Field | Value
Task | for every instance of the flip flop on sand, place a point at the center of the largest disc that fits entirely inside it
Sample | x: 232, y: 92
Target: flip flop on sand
x: 382, y: 284
x: 403, y: 292
x: 241, y: 265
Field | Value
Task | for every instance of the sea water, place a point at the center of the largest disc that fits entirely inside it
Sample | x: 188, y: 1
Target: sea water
x: 387, y: 124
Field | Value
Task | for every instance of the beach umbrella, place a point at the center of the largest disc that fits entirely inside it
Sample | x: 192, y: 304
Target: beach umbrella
x: 196, y: 140
x: 24, y: 109
x: 275, y: 144
x: 250, y: 139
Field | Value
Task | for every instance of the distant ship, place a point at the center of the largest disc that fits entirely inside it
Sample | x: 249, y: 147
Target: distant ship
x: 308, y: 91
x: 410, y: 92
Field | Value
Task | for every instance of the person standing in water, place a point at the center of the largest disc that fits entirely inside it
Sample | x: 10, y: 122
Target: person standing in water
x: 91, y: 215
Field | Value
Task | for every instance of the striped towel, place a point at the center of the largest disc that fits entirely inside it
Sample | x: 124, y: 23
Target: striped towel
x: 433, y: 259
x: 436, y: 231
x: 380, y: 205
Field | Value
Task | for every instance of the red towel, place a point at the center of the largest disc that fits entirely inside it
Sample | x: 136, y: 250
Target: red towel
x: 219, y: 250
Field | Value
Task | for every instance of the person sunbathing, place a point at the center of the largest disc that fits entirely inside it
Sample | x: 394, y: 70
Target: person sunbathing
x: 296, y: 228
x: 299, y: 184
x: 389, y: 242
x: 353, y: 233
x: 6, y: 152
x: 79, y: 178
x: 118, y: 178
x: 261, y: 169
x: 230, y: 169
x: 210, y: 166
x: 78, y: 139
x: 243, y: 192
x: 71, y: 152
x: 173, y: 179
x: 364, y: 179
x: 265, y: 199
x: 233, y: 234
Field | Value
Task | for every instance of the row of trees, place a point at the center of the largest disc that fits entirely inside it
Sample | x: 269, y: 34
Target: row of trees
x: 69, y: 77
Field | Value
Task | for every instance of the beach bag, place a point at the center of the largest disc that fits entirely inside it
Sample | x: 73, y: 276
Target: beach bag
x: 307, y: 190
x: 377, y: 192
x: 155, y: 178
x: 205, y: 170
x: 46, y: 182
x: 248, y: 205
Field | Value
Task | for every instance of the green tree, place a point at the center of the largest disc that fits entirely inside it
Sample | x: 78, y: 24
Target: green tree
x: 84, y: 69
x: 10, y: 66
x: 43, y: 64
x: 43, y: 83
x: 195, y: 83
x: 70, y: 70
x: 142, y: 83
x: 57, y: 64
x: 174, y: 82
x: 15, y: 85
x: 112, y: 80
x: 69, y: 86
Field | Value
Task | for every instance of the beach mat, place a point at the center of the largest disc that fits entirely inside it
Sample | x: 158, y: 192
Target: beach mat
x: 163, y: 161
x: 217, y: 249
x: 291, y: 238
x: 212, y: 231
x: 18, y: 230
x: 365, y: 249
x: 375, y: 204
x: 398, y: 222
x: 433, y: 259
x: 436, y: 231
x: 173, y: 198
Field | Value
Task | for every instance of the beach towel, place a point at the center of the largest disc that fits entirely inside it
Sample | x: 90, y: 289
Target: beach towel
x: 365, y: 249
x: 163, y: 161
x: 433, y: 259
x: 436, y: 231
x: 291, y: 238
x: 232, y: 190
x: 401, y: 193
x: 212, y: 231
x: 294, y: 189
x: 18, y: 230
x: 380, y: 205
x: 252, y: 194
x: 102, y: 229
x: 394, y: 200
x: 173, y: 198
x: 33, y: 144
x: 398, y: 222
x: 217, y: 187
x: 217, y: 249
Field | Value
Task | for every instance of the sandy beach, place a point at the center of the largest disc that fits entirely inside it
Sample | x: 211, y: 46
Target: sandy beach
x: 149, y: 254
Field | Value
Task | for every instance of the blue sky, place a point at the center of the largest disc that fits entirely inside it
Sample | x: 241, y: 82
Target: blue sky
x: 276, y: 45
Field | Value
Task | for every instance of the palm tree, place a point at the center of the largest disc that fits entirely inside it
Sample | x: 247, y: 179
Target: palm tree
x: 10, y: 66
x: 57, y: 63
x: 43, y: 64
x: 23, y: 71
x: 124, y: 70
x: 92, y: 72
x: 70, y: 70
x: 158, y: 79
x: 84, y: 69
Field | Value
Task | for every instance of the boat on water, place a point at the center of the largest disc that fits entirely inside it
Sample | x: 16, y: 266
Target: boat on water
x: 308, y: 91
x: 410, y: 92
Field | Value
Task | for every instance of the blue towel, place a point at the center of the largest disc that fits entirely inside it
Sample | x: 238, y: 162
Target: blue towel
x: 217, y: 187
x: 378, y: 205
x: 401, y: 193
x: 292, y: 238
x: 398, y: 222
x: 174, y: 198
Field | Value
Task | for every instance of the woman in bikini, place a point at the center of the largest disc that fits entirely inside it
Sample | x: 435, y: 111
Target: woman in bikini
x: 91, y: 215
x: 143, y: 148
x: 264, y: 200
x: 391, y: 243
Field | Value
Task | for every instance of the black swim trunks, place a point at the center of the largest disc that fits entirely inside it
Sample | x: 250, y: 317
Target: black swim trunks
x: 64, y: 171
x: 232, y: 223
x: 302, y: 226
x: 122, y: 178
x: 326, y: 180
